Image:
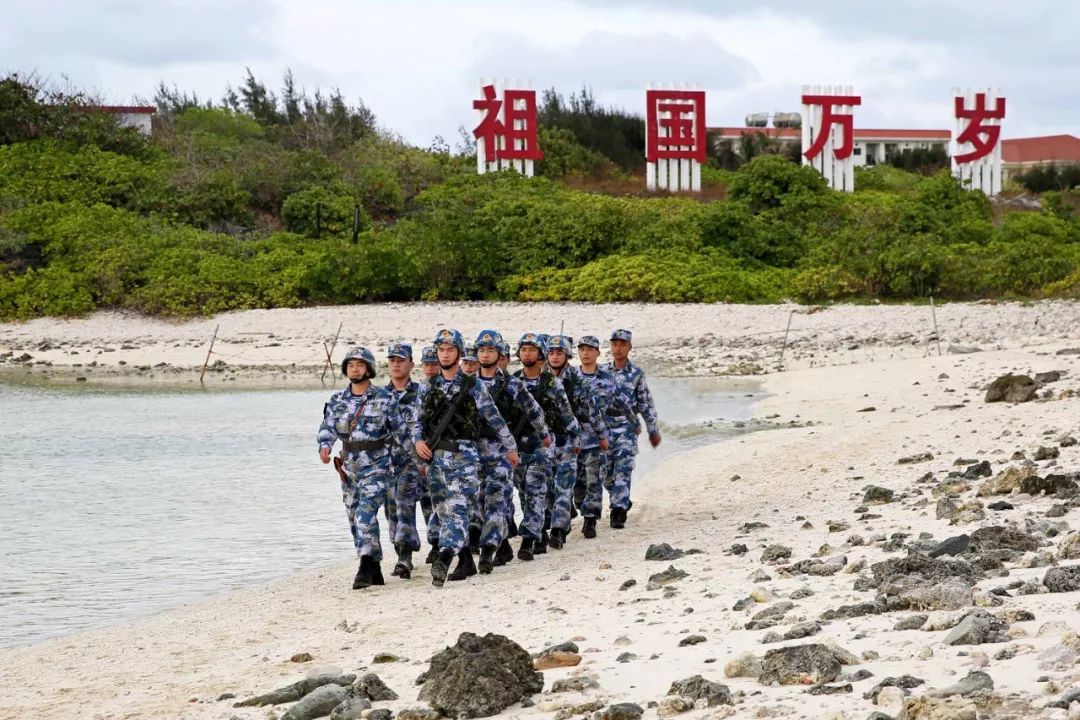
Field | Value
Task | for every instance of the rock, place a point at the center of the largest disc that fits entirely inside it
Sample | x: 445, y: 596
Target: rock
x: 580, y: 709
x: 770, y: 616
x: 418, y: 713
x: 738, y: 549
x: 691, y: 640
x: 1050, y: 376
x: 1062, y: 579
x: 917, y: 458
x: 1068, y: 698
x: 904, y: 682
x: 823, y: 689
x: 1058, y: 658
x: 802, y: 630
x: 953, y: 546
x: 373, y: 688
x: 1001, y: 505
x: 479, y: 676
x: 672, y: 574
x: 760, y: 575
x: 1059, y: 485
x: 292, y: 693
x: 380, y: 714
x: 890, y: 697
x: 972, y: 683
x: 626, y: 657
x: 775, y: 552
x: 663, y: 552
x: 800, y: 593
x: 628, y: 584
x: 698, y: 688
x: 745, y: 665
x: 921, y: 566
x: 838, y: 525
x: 877, y: 495
x: 556, y: 659
x: 673, y: 706
x: 569, y: 646
x: 353, y: 707
x: 978, y: 470
x: 799, y: 664
x: 577, y: 683
x: 771, y: 638
x: 1068, y: 441
x: 384, y: 658
x: 907, y: 593
x: 1046, y: 453
x: 620, y: 711
x: 927, y: 708
x: 301, y: 658
x: 976, y: 628
x: 998, y: 537
x: 1005, y: 481
x: 1070, y: 547
x: 912, y: 622
x: 318, y: 703
x: 1011, y: 389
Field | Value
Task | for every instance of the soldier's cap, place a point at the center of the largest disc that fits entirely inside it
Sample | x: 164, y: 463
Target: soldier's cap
x: 428, y: 354
x: 562, y: 342
x: 589, y: 341
x: 470, y: 352
x: 622, y: 334
x: 489, y: 338
x: 504, y: 349
x: 535, y: 340
x: 399, y: 350
x: 358, y: 353
x: 447, y: 336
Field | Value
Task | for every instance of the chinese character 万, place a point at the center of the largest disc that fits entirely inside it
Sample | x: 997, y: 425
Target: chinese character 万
x: 982, y: 137
x: 831, y: 116
x: 681, y: 114
x: 508, y: 128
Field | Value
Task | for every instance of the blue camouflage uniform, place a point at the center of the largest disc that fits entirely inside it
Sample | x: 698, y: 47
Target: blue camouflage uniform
x: 630, y: 385
x: 376, y: 425
x: 407, y: 485
x: 592, y: 461
x: 535, y: 475
x: 453, y: 472
x: 593, y: 428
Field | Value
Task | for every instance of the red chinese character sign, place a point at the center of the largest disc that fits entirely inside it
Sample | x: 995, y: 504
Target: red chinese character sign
x: 828, y: 133
x: 674, y: 139
x: 506, y: 136
x: 976, y: 146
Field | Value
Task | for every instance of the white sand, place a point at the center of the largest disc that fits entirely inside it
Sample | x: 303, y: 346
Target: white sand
x: 175, y: 664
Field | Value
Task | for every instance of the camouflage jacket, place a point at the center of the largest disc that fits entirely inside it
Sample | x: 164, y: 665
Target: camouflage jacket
x: 630, y: 385
x: 485, y: 407
x: 379, y: 419
x: 586, y: 408
x: 549, y: 394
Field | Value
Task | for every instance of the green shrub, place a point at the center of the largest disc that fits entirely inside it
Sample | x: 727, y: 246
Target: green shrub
x: 333, y: 207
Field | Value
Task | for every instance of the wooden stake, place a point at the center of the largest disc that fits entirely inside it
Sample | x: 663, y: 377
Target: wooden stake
x: 780, y: 362
x: 933, y: 314
x: 207, y: 361
x: 330, y: 352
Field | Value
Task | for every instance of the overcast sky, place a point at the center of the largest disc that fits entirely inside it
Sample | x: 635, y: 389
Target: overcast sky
x: 417, y: 65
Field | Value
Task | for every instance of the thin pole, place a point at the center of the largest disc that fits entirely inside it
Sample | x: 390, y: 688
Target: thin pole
x: 783, y: 348
x: 937, y: 337
x: 207, y: 360
x: 330, y: 352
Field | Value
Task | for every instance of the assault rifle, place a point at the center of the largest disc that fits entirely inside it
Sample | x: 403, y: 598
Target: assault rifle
x: 452, y: 407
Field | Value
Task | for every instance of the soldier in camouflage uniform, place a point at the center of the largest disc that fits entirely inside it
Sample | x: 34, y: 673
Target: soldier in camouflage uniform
x: 429, y: 361
x: 365, y: 418
x: 630, y: 385
x: 407, y: 486
x: 592, y: 462
x: 469, y: 363
x: 594, y: 435
x: 534, y: 476
x: 519, y: 409
x: 453, y: 409
x: 504, y: 355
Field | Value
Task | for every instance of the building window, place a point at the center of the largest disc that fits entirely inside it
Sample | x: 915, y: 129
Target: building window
x: 858, y: 151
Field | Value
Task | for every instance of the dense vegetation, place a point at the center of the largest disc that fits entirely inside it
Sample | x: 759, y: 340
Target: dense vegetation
x: 255, y: 201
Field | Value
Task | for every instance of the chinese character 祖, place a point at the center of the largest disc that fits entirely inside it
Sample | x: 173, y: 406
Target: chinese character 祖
x: 829, y: 117
x: 682, y: 114
x: 512, y: 120
x: 983, y: 138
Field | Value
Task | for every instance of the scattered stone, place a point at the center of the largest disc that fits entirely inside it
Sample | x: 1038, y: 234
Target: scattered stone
x: 823, y: 689
x: 838, y: 525
x: 1050, y: 376
x: 698, y: 688
x: 1046, y: 453
x: 673, y: 706
x: 1005, y: 481
x: 353, y: 708
x: 691, y: 640
x: 301, y: 658
x: 1067, y: 699
x: 904, y: 682
x: 770, y: 616
x: 418, y: 713
x: 383, y: 658
x: 877, y: 495
x: 1011, y: 389
x: 997, y: 537
x: 628, y: 584
x: 800, y: 593
x: 745, y: 665
x: 620, y: 711
x: 738, y: 549
x: 927, y: 708
x: 775, y: 552
x: 373, y: 688
x: 976, y: 628
x: 802, y: 630
x: 318, y: 703
x: 1062, y: 579
x: 660, y: 579
x: 799, y: 664
x: 1058, y: 658
x: 760, y: 575
x: 912, y: 622
x: 751, y: 527
x: 626, y: 657
x: 1068, y: 441
x: 556, y: 659
x: 663, y: 552
x: 953, y: 546
x: 857, y: 610
x: 917, y: 458
x: 292, y: 693
x: 577, y: 683
x: 479, y: 676
x: 568, y: 647
x: 1001, y: 505
x: 972, y: 683
x: 1059, y: 485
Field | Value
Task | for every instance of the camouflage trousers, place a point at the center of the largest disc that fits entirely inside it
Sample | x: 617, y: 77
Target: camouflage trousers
x: 533, y: 477
x: 620, y: 465
x: 362, y: 495
x: 454, y: 480
x: 561, y: 488
x: 591, y: 467
x: 407, y: 492
x: 492, y: 511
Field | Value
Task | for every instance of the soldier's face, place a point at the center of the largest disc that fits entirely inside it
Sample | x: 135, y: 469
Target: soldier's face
x: 487, y: 356
x: 431, y: 369
x: 400, y: 368
x: 448, y: 356
x: 528, y: 355
x: 469, y: 367
x: 356, y: 370
x: 556, y: 358
x: 503, y: 361
x: 588, y: 354
x: 620, y: 349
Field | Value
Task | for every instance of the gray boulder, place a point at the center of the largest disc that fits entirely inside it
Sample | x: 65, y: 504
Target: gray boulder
x: 351, y: 709
x: 698, y: 688
x: 663, y: 551
x: 320, y: 702
x: 292, y: 693
x: 479, y: 676
x: 978, y: 627
x: 1000, y: 537
x: 1062, y: 579
x: 951, y: 546
x: 620, y: 711
x: 877, y: 495
x: 1012, y: 389
x: 373, y: 688
x: 799, y: 665
x: 972, y: 683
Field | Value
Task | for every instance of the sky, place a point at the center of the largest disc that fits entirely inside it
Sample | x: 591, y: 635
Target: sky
x: 419, y: 64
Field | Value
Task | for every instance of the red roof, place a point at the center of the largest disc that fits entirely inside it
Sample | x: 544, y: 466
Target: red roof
x: 860, y: 133
x: 1047, y: 148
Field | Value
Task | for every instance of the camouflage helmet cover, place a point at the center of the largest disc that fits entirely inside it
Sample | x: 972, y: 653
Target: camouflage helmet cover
x: 359, y: 353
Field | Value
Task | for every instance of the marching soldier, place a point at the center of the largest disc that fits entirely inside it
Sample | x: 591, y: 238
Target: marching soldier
x: 407, y: 485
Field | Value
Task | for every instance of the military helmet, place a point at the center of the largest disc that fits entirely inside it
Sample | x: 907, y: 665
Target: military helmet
x: 489, y: 338
x: 534, y: 340
x: 358, y: 353
x: 399, y: 350
x: 622, y: 334
x: 428, y: 354
x: 470, y: 352
x: 504, y: 349
x: 447, y: 336
x: 589, y: 341
x: 562, y: 342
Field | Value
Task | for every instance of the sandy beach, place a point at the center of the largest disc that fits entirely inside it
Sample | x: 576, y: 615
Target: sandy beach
x: 782, y: 518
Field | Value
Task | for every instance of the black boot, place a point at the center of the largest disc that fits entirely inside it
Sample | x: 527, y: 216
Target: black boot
x: 466, y: 568
x: 540, y: 546
x: 376, y: 573
x: 432, y: 555
x: 504, y: 554
x: 403, y: 569
x: 589, y: 529
x: 556, y: 539
x: 487, y: 559
x: 525, y: 551
x: 365, y: 575
x: 474, y: 540
x: 440, y: 566
x: 618, y: 518
x: 511, y: 527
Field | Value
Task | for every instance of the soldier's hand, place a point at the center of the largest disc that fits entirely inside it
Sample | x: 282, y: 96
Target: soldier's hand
x: 513, y: 458
x: 324, y: 455
x: 423, y: 450
x: 654, y: 439
x: 548, y: 441
x: 604, y: 444
x: 423, y: 471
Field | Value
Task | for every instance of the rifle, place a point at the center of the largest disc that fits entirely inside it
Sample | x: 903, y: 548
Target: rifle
x: 444, y: 421
x: 339, y: 462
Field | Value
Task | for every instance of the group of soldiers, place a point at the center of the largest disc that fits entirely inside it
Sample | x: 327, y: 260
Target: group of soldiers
x: 460, y: 442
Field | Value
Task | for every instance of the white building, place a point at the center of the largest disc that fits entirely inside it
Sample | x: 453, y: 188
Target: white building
x: 136, y: 116
x: 872, y: 146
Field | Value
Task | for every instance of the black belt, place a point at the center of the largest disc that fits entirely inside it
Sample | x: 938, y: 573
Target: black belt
x: 615, y: 412
x: 448, y: 446
x: 364, y: 445
x: 560, y: 440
